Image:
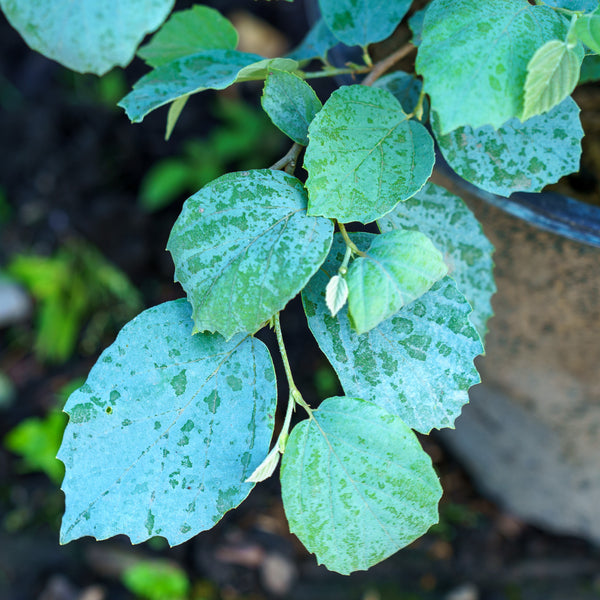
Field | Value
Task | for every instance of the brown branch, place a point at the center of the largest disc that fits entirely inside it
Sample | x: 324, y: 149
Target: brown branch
x: 387, y: 63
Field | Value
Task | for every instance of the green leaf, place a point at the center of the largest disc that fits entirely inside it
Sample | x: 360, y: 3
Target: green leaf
x: 356, y: 484
x: 518, y: 156
x: 364, y: 156
x: 448, y: 221
x: 188, y: 32
x: 210, y: 69
x: 336, y: 294
x: 359, y: 23
x: 399, y: 267
x: 406, y: 89
x: 552, y: 74
x: 89, y: 37
x: 243, y: 247
x: 587, y: 29
x: 291, y: 104
x: 417, y: 365
x: 316, y: 44
x: 481, y: 82
x: 166, y: 430
x: 590, y: 69
x: 259, y: 70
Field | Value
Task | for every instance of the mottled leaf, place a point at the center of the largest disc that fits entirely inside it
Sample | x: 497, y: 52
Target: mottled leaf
x: 364, y: 156
x: 406, y: 89
x: 399, y: 266
x: 188, y: 32
x: 356, y: 484
x: 166, y: 430
x: 317, y: 43
x: 552, y: 74
x: 417, y: 365
x: 210, y: 69
x: 90, y: 37
x: 243, y: 247
x: 336, y: 294
x: 359, y: 23
x: 587, y: 29
x: 291, y: 104
x: 481, y: 82
x: 448, y: 221
x: 518, y: 156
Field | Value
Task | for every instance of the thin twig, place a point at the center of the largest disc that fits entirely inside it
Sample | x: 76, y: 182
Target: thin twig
x: 288, y: 162
x: 387, y: 63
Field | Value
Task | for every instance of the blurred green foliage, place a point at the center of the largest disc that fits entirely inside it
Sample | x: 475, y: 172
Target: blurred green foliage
x: 76, y: 289
x: 243, y: 139
x: 156, y: 580
x: 37, y: 440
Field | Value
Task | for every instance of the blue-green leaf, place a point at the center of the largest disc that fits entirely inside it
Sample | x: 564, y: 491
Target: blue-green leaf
x: 585, y: 5
x: 316, y: 44
x: 290, y: 103
x: 399, y: 266
x: 166, y: 430
x: 416, y: 26
x: 481, y: 82
x: 90, y: 36
x: 518, y: 156
x: 188, y: 32
x: 417, y: 365
x: 359, y: 23
x: 448, y: 221
x: 210, y: 69
x: 406, y: 89
x: 243, y: 247
x: 356, y: 484
x: 364, y: 155
x: 590, y: 69
x: 552, y: 74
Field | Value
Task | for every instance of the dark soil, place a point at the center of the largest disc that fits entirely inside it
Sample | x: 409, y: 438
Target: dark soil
x: 71, y: 167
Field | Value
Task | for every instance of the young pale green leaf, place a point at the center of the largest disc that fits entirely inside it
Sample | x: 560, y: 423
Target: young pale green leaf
x: 175, y: 110
x: 209, y: 69
x: 359, y: 23
x: 89, y: 37
x: 475, y: 64
x: 417, y: 365
x: 356, y: 484
x: 587, y: 29
x: 364, y: 155
x: 552, y: 74
x: 166, y: 430
x: 243, y: 247
x: 291, y: 104
x: 406, y: 89
x: 448, y: 221
x: 260, y: 70
x: 188, y: 32
x: 316, y: 44
x: 399, y: 267
x: 518, y: 156
x: 336, y: 294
